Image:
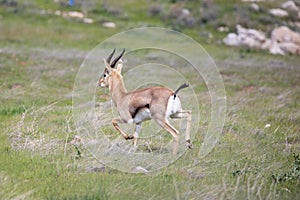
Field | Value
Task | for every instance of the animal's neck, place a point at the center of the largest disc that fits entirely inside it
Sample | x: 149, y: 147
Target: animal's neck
x: 117, y: 90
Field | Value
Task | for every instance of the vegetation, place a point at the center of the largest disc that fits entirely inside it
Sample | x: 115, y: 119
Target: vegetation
x: 257, y: 156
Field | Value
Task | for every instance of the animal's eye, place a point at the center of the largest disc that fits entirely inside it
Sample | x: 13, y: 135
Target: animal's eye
x: 104, y: 75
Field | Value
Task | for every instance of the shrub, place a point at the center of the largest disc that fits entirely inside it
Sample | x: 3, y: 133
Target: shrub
x: 155, y: 10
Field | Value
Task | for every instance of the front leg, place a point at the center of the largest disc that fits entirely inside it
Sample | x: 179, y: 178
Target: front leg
x: 117, y: 127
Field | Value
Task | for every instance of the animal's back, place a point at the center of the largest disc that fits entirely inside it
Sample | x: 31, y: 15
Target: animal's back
x: 148, y: 97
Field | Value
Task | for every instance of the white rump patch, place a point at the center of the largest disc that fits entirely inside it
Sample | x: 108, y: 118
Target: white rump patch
x: 174, y: 105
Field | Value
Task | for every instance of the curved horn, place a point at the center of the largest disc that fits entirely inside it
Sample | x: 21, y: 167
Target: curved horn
x: 117, y: 59
x: 110, y: 56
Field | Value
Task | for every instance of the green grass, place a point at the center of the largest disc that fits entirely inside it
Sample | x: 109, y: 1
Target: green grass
x: 39, y: 59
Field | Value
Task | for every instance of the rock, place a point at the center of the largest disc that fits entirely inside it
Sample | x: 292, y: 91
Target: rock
x: 247, y: 37
x: 258, y: 35
x: 109, y: 24
x: 240, y: 29
x: 290, y: 47
x: 223, y: 29
x: 283, y: 40
x: 255, y: 34
x: 249, y: 42
x: 140, y: 169
x: 231, y: 39
x: 58, y: 12
x: 254, y: 7
x: 267, y: 44
x: 284, y: 34
x: 275, y: 49
x: 75, y: 14
x: 290, y: 5
x: 88, y: 20
x: 277, y: 12
x: 185, y: 12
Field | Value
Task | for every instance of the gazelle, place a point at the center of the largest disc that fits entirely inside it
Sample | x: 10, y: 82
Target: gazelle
x: 158, y: 103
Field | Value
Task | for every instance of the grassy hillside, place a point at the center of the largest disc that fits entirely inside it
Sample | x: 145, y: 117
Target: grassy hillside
x: 257, y: 156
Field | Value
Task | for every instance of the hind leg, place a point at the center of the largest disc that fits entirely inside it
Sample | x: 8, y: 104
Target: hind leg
x: 168, y: 127
x: 136, y: 133
x: 159, y: 115
x: 188, y: 115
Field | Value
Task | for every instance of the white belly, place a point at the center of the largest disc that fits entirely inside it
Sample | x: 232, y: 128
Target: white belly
x: 142, y: 115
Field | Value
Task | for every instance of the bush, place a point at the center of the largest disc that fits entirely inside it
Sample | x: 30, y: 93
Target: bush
x: 293, y: 174
x: 155, y: 10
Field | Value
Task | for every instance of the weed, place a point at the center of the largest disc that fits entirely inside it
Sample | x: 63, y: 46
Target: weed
x: 12, y: 110
x: 293, y: 174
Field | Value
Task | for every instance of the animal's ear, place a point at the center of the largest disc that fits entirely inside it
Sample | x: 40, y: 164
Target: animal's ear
x: 107, y: 65
x: 119, y: 66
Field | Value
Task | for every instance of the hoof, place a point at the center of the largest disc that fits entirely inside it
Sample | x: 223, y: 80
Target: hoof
x: 129, y: 137
x: 189, y: 144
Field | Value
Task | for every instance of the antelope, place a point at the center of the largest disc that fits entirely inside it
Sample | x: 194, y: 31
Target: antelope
x: 157, y: 103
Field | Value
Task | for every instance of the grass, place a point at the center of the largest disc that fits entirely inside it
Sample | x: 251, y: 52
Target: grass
x: 257, y: 156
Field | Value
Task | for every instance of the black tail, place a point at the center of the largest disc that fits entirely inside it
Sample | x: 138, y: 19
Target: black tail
x: 180, y: 87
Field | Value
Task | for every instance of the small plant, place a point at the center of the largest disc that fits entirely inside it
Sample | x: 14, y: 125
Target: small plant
x: 293, y: 174
x: 12, y: 110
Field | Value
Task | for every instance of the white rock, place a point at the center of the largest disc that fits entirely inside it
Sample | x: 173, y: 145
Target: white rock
x: 297, y: 24
x: 58, y: 12
x: 140, y: 169
x: 290, y: 5
x: 109, y: 24
x: 258, y: 35
x: 88, y: 20
x: 275, y: 49
x: 267, y: 44
x: 185, y: 12
x: 278, y: 12
x: 255, y: 34
x: 241, y: 30
x: 254, y: 7
x: 248, y: 41
x: 283, y: 40
x: 231, y: 39
x: 284, y: 34
x: 75, y: 14
x: 223, y: 29
x: 290, y: 47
